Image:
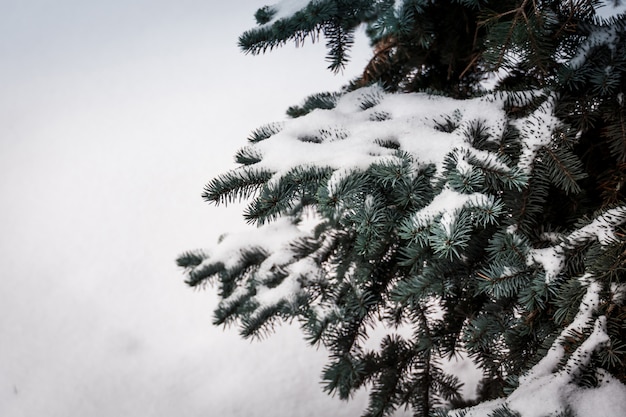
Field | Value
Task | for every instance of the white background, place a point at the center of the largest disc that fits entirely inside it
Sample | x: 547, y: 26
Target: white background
x: 113, y: 116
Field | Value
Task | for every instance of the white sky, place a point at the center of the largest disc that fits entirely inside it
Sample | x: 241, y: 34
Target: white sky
x: 113, y: 115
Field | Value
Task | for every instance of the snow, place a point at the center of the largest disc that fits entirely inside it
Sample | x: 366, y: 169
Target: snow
x: 550, y: 361
x: 609, y: 9
x: 602, y: 229
x: 547, y: 390
x: 271, y: 237
x: 618, y: 293
x: 552, y: 392
x: 446, y: 205
x: 607, y: 400
x: 286, y: 290
x: 285, y: 9
x: 353, y: 140
x: 467, y: 372
x: 537, y: 131
x: 446, y: 201
x: 543, y: 393
x: 493, y: 78
x: 463, y: 166
x: 552, y: 260
x: 604, y: 35
x: 289, y: 287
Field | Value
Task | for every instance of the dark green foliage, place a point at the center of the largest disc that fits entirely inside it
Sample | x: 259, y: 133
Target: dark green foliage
x: 325, y: 101
x: 510, y: 243
x: 190, y: 259
x: 336, y: 20
x: 504, y: 411
x: 292, y: 191
x: 264, y: 132
x: 424, y: 46
x: 248, y: 156
x: 264, y: 15
x: 235, y: 185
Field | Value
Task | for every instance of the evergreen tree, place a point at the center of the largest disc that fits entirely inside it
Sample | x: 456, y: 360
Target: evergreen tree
x: 465, y: 195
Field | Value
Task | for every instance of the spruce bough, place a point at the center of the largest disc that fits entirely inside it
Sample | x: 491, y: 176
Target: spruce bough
x: 464, y: 196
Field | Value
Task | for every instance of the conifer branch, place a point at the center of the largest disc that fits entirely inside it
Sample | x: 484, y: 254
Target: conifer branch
x: 470, y: 220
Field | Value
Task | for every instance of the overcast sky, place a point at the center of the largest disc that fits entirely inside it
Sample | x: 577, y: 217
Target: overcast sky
x: 113, y: 115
